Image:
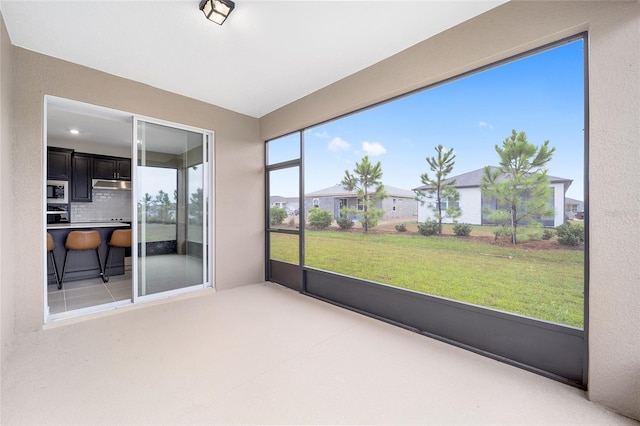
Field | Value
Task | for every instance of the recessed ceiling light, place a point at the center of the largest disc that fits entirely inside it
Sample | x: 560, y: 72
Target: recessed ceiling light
x: 74, y: 131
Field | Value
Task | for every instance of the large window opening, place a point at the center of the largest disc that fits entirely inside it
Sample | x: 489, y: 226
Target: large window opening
x: 466, y: 192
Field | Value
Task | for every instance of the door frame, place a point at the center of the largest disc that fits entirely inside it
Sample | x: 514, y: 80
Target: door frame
x: 208, y: 210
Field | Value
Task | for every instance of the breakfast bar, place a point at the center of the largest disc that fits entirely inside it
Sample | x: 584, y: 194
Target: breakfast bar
x: 83, y: 264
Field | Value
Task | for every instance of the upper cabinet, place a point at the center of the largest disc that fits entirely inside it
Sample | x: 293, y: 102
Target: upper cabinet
x: 59, y: 163
x: 82, y: 165
x: 111, y: 168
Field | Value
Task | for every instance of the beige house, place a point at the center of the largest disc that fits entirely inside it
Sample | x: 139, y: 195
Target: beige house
x: 240, y: 352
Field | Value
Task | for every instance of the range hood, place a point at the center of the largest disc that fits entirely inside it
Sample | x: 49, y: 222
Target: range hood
x: 111, y: 184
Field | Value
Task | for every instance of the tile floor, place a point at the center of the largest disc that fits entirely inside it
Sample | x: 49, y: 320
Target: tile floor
x: 163, y: 273
x: 92, y: 292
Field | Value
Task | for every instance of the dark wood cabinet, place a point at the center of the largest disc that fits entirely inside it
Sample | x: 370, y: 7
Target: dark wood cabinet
x: 111, y: 168
x: 82, y: 172
x: 123, y: 168
x: 58, y: 163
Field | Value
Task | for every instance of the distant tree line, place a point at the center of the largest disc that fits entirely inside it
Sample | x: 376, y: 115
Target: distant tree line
x: 162, y: 209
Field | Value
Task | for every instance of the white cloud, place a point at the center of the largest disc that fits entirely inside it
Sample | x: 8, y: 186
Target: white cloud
x: 338, y: 144
x: 483, y: 124
x: 322, y: 135
x: 373, y: 148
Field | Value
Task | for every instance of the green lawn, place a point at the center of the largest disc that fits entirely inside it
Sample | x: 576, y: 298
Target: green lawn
x: 545, y: 284
x: 167, y: 232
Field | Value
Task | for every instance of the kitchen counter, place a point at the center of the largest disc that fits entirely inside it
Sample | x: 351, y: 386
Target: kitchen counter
x: 83, y: 264
x: 84, y: 225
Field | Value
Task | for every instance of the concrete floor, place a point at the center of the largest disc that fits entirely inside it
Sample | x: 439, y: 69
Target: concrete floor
x: 262, y: 354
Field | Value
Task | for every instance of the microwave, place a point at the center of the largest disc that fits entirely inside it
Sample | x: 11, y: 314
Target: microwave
x: 57, y: 192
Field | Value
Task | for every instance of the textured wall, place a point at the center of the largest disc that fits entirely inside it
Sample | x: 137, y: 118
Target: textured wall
x: 614, y: 151
x: 6, y: 199
x: 239, y: 180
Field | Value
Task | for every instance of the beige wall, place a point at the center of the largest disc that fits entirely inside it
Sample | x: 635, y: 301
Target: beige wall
x: 614, y: 151
x: 239, y: 169
x: 6, y: 199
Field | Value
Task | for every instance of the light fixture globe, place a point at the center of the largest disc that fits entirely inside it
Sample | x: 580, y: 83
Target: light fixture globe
x: 217, y: 10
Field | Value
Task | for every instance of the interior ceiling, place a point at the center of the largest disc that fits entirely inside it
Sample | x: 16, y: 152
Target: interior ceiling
x: 266, y: 55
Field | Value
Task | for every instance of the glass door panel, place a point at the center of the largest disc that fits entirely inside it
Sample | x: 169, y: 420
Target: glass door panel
x: 170, y: 187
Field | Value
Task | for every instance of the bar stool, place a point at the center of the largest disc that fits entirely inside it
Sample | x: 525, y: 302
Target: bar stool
x: 120, y: 238
x: 50, y: 247
x: 82, y: 240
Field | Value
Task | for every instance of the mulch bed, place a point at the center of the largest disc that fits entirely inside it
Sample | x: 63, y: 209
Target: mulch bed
x: 386, y: 229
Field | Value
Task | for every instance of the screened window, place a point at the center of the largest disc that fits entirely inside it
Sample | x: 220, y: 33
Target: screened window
x: 495, y: 238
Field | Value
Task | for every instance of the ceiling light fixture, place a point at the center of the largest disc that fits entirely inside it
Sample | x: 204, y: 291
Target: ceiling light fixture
x: 217, y: 10
x: 74, y: 131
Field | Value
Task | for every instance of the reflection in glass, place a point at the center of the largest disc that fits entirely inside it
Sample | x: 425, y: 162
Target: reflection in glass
x: 170, y: 208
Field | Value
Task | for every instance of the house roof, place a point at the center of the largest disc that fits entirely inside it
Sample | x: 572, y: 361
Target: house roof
x: 339, y: 191
x: 473, y: 178
x: 572, y: 201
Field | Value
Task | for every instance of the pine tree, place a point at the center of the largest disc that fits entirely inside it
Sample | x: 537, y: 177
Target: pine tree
x: 366, y: 180
x: 520, y: 184
x: 439, y: 189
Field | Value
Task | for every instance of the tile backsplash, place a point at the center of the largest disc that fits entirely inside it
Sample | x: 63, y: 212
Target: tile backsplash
x: 107, y: 205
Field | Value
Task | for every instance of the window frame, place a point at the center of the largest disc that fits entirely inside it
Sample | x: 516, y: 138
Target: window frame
x: 556, y: 351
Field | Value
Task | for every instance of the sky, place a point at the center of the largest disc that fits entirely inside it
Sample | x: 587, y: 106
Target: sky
x: 542, y: 94
x: 153, y: 179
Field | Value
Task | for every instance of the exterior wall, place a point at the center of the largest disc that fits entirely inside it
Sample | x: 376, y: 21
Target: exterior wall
x: 239, y: 250
x: 405, y: 209
x: 558, y: 203
x: 7, y: 306
x: 470, y: 204
x: 324, y: 203
x: 614, y: 108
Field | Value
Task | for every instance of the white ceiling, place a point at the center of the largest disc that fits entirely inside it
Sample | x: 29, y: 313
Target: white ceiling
x: 267, y: 54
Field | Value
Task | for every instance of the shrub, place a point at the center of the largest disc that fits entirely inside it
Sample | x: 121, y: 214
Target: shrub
x: 401, y: 227
x: 345, y: 222
x: 547, y: 234
x: 320, y: 219
x: 371, y: 218
x: 277, y: 215
x: 429, y: 227
x: 462, y: 229
x: 501, y: 231
x: 570, y: 235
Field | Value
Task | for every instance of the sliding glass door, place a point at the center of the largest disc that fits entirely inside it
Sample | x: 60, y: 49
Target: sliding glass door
x: 171, y: 190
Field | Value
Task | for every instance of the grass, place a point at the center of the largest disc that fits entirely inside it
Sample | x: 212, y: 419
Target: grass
x: 167, y: 232
x: 544, y: 284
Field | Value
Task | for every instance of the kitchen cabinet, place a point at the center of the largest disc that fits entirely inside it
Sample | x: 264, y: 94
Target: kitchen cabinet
x: 58, y: 163
x: 82, y: 172
x: 111, y: 168
x: 83, y: 264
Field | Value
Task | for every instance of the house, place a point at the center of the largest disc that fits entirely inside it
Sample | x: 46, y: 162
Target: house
x: 472, y: 203
x: 399, y: 204
x: 572, y: 206
x: 233, y: 354
x: 291, y: 204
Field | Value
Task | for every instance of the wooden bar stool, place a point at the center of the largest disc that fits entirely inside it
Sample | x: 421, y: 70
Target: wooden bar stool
x: 50, y: 247
x: 120, y: 238
x: 82, y: 240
